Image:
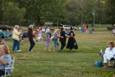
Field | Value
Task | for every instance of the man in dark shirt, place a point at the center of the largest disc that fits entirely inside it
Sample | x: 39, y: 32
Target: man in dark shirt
x: 62, y: 38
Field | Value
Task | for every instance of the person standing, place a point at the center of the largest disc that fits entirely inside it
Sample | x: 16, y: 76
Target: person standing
x: 39, y: 32
x: 62, y: 38
x: 48, y: 39
x: 55, y: 38
x: 31, y: 38
x: 16, y: 38
x: 71, y: 44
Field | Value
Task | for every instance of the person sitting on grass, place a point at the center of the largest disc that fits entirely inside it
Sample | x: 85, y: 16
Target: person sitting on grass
x: 109, y: 54
x: 5, y: 57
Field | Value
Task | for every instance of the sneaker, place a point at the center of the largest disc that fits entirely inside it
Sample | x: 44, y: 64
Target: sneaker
x: 18, y: 50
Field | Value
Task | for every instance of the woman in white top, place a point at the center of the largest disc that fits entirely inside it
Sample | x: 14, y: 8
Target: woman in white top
x: 16, y: 38
x: 109, y: 53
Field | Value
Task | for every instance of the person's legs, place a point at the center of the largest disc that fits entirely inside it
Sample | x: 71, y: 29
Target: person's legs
x: 48, y: 43
x: 105, y: 60
x: 32, y: 43
x: 55, y: 43
x: 18, y: 45
x: 14, y: 45
x: 2, y: 72
x: 63, y: 43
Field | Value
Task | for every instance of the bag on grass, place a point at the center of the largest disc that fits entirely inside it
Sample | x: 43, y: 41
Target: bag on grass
x: 98, y: 64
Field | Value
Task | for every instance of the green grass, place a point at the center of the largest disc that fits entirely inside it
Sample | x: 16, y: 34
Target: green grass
x: 43, y: 63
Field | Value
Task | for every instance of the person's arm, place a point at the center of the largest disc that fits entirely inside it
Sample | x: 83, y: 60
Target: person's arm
x: 107, y: 51
x: 114, y: 52
x: 3, y: 61
x: 17, y: 32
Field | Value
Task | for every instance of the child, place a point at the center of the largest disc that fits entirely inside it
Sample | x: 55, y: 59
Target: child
x: 55, y: 38
x: 48, y: 39
x: 39, y: 34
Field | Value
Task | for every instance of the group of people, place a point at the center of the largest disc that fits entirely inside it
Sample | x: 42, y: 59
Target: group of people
x: 84, y: 28
x: 66, y: 39
x: 56, y: 36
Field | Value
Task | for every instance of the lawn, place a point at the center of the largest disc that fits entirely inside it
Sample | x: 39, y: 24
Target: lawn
x: 43, y: 63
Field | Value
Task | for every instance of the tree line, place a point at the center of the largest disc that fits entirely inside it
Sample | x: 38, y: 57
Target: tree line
x: 25, y: 12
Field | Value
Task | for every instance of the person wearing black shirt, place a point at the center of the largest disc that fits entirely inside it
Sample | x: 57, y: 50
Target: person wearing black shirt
x: 62, y: 38
x: 31, y: 39
x: 71, y: 44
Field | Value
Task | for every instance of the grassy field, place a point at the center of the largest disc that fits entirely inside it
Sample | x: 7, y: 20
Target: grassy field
x: 43, y: 63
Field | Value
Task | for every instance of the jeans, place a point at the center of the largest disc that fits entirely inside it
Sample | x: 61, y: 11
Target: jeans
x: 16, y: 45
x: 32, y: 44
x: 56, y: 44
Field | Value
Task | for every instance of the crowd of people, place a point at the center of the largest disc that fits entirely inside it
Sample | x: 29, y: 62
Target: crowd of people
x: 66, y: 38
x: 56, y: 36
x: 32, y: 33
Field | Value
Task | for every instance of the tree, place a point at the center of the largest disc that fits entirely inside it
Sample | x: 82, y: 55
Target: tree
x: 38, y: 11
x: 110, y: 11
x: 57, y: 11
x: 12, y: 14
x: 80, y: 11
x: 1, y: 12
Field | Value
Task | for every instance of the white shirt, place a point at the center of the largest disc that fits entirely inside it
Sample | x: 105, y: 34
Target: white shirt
x: 110, y: 53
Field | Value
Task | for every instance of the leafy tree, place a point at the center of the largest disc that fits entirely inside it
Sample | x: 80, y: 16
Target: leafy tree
x: 12, y: 14
x: 110, y: 11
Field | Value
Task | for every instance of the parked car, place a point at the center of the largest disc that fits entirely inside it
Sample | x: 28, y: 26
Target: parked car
x: 68, y: 27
